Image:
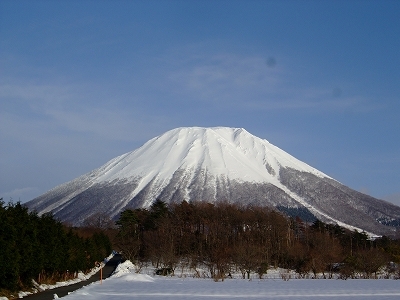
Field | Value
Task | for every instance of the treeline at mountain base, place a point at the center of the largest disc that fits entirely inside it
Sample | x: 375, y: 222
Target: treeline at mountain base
x: 226, y: 238
x: 43, y: 249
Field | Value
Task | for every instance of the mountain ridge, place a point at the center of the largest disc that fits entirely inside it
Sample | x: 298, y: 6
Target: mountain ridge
x: 214, y: 164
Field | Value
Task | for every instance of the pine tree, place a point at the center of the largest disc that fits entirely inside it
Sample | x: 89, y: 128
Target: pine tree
x: 8, y: 262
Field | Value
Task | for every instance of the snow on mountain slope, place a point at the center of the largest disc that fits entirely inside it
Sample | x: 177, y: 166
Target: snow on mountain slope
x: 210, y: 164
x: 230, y: 151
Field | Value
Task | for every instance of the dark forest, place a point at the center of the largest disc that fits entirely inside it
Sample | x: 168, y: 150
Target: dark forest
x: 226, y: 238
x: 43, y: 249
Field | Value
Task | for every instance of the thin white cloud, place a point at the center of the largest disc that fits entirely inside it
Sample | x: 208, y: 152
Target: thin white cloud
x: 30, y: 93
x: 54, y: 109
x: 110, y: 124
x: 223, y: 78
x: 247, y: 82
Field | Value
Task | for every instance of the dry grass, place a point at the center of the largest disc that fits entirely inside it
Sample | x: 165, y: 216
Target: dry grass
x: 55, y: 277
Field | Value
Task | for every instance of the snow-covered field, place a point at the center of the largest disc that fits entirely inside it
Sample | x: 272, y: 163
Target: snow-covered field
x: 126, y: 284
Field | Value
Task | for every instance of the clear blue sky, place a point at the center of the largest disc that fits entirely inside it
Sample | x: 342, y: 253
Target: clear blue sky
x: 82, y: 82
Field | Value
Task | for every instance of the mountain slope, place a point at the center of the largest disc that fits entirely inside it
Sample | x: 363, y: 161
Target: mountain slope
x: 214, y: 164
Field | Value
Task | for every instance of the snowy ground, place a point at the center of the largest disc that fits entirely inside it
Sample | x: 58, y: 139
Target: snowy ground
x: 126, y: 284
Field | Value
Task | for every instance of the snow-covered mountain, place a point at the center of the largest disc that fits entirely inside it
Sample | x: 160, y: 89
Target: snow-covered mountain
x: 215, y: 164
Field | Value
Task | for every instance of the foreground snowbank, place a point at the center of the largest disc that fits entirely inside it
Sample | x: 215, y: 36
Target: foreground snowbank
x: 125, y: 283
x: 126, y: 271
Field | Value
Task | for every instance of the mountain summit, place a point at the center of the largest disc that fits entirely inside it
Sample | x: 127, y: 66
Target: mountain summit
x: 215, y: 164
